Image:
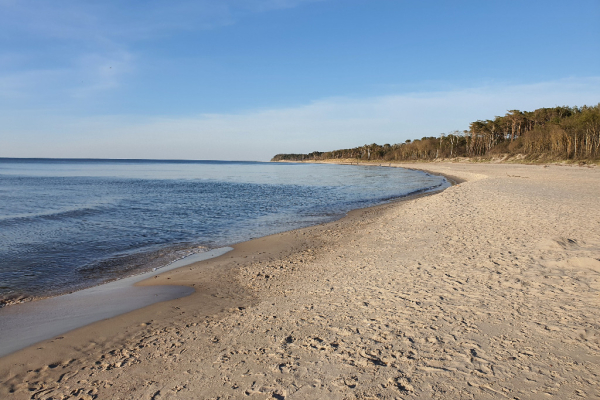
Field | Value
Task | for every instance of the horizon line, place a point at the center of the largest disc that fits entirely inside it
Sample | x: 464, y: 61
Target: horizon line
x: 99, y: 159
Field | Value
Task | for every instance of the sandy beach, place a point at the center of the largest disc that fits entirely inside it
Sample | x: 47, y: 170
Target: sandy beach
x: 489, y: 289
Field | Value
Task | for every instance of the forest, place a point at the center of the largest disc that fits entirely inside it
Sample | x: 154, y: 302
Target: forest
x: 546, y: 134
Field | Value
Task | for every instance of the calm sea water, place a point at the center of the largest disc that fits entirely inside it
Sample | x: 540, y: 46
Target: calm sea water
x: 69, y: 224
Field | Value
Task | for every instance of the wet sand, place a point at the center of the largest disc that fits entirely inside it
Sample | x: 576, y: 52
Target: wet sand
x: 489, y: 289
x: 22, y: 325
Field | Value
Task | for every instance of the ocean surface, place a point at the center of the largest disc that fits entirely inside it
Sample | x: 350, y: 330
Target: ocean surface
x: 70, y: 224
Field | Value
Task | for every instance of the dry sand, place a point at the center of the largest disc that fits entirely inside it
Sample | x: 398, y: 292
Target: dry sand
x: 489, y: 289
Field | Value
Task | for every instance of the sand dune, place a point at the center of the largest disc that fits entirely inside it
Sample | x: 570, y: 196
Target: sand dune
x: 489, y: 289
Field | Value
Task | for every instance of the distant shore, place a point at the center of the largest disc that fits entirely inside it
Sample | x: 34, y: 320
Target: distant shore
x: 488, y: 289
x: 518, y: 159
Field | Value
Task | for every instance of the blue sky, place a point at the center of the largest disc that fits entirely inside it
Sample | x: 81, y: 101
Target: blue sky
x: 234, y: 79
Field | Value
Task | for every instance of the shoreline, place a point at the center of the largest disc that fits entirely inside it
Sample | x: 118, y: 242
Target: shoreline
x: 25, y: 324
x: 116, y: 265
x: 368, y: 305
x: 80, y: 308
x: 18, y: 299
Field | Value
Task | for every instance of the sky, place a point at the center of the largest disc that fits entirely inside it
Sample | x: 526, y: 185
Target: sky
x: 247, y: 79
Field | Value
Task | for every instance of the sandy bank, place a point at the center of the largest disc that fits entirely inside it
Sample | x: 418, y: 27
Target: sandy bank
x: 489, y: 289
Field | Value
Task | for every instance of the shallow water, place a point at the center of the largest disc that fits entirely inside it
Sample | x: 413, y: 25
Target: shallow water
x: 69, y: 224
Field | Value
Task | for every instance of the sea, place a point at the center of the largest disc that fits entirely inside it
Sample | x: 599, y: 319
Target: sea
x: 69, y: 224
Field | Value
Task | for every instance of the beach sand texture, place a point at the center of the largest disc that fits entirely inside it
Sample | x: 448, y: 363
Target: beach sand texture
x: 489, y: 289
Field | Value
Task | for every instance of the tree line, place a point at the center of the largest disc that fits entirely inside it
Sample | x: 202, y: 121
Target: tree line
x: 559, y: 133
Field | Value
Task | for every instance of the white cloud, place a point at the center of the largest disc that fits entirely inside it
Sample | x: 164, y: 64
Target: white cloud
x: 257, y: 135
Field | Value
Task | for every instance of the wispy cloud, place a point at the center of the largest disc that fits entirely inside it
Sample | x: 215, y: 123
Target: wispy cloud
x: 257, y: 135
x: 76, y: 20
x: 267, y: 5
x: 101, y: 72
x: 84, y: 76
x: 79, y: 48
